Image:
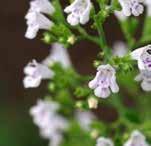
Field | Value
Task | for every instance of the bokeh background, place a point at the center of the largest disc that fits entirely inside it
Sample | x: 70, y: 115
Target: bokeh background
x: 16, y: 127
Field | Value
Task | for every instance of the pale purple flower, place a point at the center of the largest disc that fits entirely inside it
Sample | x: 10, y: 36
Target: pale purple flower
x: 42, y: 6
x: 120, y: 15
x: 145, y: 77
x: 136, y: 139
x: 132, y: 7
x: 42, y: 111
x: 50, y: 123
x: 58, y: 54
x: 148, y: 4
x: 143, y: 56
x: 35, y: 73
x: 102, y: 141
x: 79, y: 12
x: 119, y: 49
x: 36, y: 21
x: 84, y: 119
x: 104, y: 81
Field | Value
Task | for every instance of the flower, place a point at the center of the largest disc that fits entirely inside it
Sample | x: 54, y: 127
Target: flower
x: 42, y: 6
x: 41, y: 112
x: 131, y: 7
x: 104, y: 80
x: 143, y: 56
x: 36, y: 21
x: 145, y: 77
x: 93, y: 103
x: 79, y: 12
x: 84, y: 119
x: 102, y: 141
x: 136, y: 139
x: 58, y: 54
x: 119, y: 49
x: 148, y: 4
x: 120, y: 16
x: 50, y: 123
x: 35, y: 72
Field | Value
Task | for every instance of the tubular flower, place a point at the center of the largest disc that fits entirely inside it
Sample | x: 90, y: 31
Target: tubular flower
x: 42, y: 6
x: 143, y: 56
x: 102, y: 141
x: 35, y: 72
x: 145, y: 77
x: 104, y: 80
x: 136, y: 139
x: 79, y: 12
x: 131, y: 7
x: 36, y: 21
x: 50, y: 123
x: 58, y: 54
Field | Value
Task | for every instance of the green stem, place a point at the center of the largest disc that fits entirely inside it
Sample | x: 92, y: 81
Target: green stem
x: 102, y: 39
x: 87, y: 36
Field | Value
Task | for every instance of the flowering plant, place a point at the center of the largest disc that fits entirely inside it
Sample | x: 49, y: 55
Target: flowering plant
x: 69, y: 113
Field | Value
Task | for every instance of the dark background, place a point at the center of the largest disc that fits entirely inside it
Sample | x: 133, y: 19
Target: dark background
x: 16, y: 128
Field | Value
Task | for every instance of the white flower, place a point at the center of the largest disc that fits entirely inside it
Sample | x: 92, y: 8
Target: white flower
x: 120, y: 15
x: 42, y: 6
x: 145, y: 77
x: 50, y: 123
x: 84, y: 119
x: 136, y: 139
x: 132, y: 7
x: 35, y: 72
x: 79, y: 12
x: 55, y: 125
x: 58, y: 54
x: 143, y: 56
x: 102, y: 141
x: 104, y: 80
x: 119, y: 49
x: 42, y: 111
x: 148, y: 4
x: 36, y: 21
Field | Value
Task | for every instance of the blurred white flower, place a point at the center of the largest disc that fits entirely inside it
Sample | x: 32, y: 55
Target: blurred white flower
x: 50, y: 123
x: 136, y: 139
x: 34, y: 73
x: 143, y: 56
x: 42, y: 6
x: 42, y: 111
x: 145, y: 77
x: 104, y: 80
x: 102, y: 141
x: 119, y: 49
x: 36, y: 21
x: 84, y: 119
x: 132, y: 7
x: 120, y: 15
x: 58, y: 54
x: 79, y: 12
x: 148, y: 4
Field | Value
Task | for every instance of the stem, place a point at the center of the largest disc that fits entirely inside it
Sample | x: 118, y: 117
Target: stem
x: 102, y: 39
x: 87, y: 36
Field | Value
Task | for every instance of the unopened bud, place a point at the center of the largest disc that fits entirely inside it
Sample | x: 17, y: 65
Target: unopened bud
x: 93, y: 103
x: 71, y: 40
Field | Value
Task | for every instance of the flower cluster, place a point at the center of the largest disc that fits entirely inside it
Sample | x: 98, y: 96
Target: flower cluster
x: 70, y: 89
